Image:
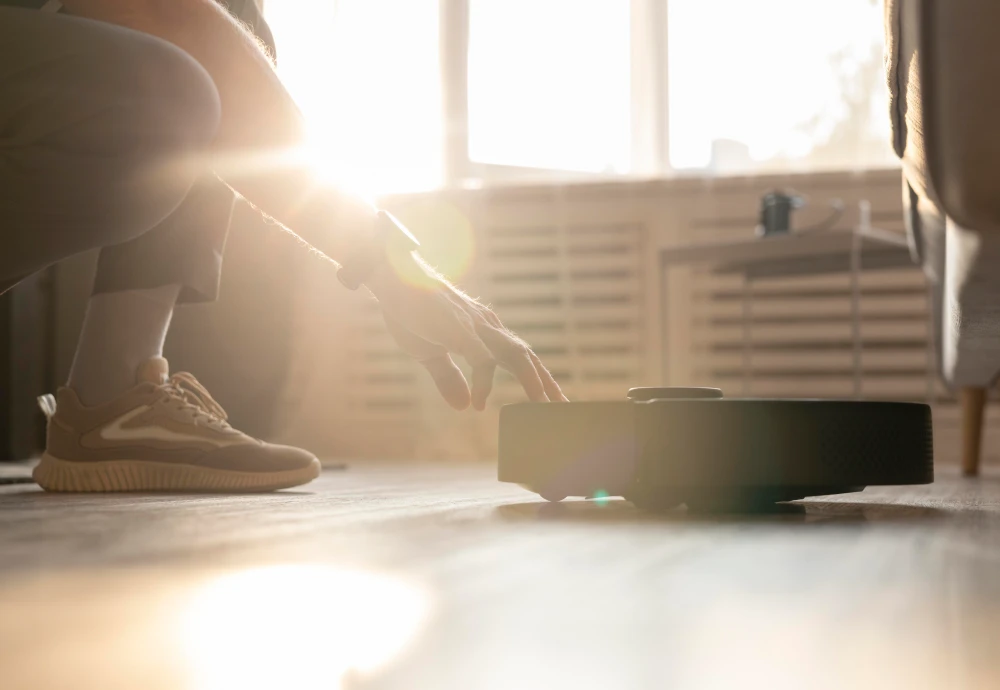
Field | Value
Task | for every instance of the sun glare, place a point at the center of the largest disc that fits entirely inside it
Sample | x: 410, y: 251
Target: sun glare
x: 761, y: 75
x: 447, y: 239
x: 295, y: 626
x: 369, y: 88
x: 552, y: 84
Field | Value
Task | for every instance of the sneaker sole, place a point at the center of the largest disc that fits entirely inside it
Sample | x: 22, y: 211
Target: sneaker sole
x: 53, y: 474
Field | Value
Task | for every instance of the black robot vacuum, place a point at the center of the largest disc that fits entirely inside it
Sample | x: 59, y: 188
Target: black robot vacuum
x: 663, y: 447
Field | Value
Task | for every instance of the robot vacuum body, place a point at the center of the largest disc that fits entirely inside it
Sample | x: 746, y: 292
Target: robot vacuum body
x: 663, y: 447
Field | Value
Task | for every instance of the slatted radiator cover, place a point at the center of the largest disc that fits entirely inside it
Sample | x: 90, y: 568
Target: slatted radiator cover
x: 574, y: 271
x: 798, y: 338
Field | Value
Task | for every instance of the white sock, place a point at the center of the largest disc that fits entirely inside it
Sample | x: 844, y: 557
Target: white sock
x: 121, y: 330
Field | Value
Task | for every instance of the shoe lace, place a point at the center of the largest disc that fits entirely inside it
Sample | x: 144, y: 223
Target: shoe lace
x: 187, y: 390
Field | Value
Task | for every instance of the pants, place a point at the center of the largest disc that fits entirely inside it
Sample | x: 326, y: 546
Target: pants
x: 101, y: 131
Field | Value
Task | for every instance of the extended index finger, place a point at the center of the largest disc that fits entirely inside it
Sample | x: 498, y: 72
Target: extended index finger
x: 514, y: 356
x: 551, y: 386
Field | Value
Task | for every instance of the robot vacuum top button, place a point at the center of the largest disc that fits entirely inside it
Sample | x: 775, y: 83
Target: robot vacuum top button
x: 674, y: 393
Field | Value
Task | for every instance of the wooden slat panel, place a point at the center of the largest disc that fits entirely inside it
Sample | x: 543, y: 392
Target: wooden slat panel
x: 814, y: 359
x: 815, y: 307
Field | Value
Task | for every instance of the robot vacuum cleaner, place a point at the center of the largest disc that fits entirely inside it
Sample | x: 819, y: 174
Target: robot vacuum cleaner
x: 662, y: 447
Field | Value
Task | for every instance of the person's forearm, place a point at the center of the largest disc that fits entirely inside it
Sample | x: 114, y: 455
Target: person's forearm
x: 260, y: 121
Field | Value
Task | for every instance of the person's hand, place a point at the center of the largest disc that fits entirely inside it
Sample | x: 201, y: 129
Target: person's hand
x: 430, y: 319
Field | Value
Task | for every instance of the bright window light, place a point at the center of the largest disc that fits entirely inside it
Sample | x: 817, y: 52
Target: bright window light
x: 549, y: 84
x: 777, y: 85
x: 764, y: 86
x: 366, y: 75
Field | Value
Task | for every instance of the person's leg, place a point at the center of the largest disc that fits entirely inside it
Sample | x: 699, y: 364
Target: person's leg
x: 94, y: 156
x: 101, y: 135
x: 121, y: 330
x: 100, y: 131
x: 137, y: 285
x: 139, y: 281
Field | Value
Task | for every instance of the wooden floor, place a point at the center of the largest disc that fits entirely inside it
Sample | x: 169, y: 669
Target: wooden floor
x: 440, y: 578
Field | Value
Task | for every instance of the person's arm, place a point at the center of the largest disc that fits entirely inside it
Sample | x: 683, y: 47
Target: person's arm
x: 260, y: 118
x: 260, y: 121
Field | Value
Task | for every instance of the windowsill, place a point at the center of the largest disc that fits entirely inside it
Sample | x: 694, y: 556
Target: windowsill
x: 546, y: 183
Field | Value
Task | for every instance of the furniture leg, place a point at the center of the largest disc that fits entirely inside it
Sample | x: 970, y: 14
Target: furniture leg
x: 973, y: 409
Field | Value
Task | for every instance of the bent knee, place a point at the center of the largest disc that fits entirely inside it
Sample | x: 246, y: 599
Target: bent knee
x: 126, y: 92
x: 176, y: 97
x: 173, y: 113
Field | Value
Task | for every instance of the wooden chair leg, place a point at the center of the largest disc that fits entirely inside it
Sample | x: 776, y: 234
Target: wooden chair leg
x: 973, y: 409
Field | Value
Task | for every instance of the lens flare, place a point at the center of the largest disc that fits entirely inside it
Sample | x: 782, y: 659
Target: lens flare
x: 447, y: 238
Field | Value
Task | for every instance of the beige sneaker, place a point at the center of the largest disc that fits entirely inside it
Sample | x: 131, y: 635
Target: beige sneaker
x: 166, y: 434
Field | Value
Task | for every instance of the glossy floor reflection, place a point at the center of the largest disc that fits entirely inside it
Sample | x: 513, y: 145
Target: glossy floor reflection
x: 301, y: 626
x: 440, y: 578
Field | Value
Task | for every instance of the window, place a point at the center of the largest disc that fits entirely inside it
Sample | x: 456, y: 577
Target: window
x: 366, y: 75
x: 602, y: 87
x: 777, y: 85
x: 549, y: 84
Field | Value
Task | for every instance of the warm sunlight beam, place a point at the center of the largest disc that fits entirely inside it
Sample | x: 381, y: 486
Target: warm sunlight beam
x: 295, y: 626
x: 365, y: 74
x: 549, y: 84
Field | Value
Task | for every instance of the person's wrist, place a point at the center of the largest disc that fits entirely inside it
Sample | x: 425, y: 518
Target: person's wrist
x: 399, y: 273
x: 385, y: 240
x: 383, y: 280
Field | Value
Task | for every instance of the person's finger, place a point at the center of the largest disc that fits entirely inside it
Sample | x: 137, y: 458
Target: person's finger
x: 512, y: 354
x: 482, y: 384
x: 466, y: 341
x: 549, y: 384
x: 520, y: 365
x: 457, y: 332
x: 449, y: 380
x: 470, y: 347
x: 552, y: 389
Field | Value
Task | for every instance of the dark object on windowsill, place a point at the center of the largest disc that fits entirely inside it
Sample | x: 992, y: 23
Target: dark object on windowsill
x: 776, y: 213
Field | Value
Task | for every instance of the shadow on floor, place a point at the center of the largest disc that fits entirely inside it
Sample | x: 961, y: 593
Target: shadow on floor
x: 806, y: 512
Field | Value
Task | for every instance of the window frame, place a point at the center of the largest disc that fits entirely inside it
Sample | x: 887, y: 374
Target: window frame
x: 649, y: 131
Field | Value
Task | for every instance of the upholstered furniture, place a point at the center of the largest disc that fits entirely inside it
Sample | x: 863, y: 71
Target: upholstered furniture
x: 942, y: 65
